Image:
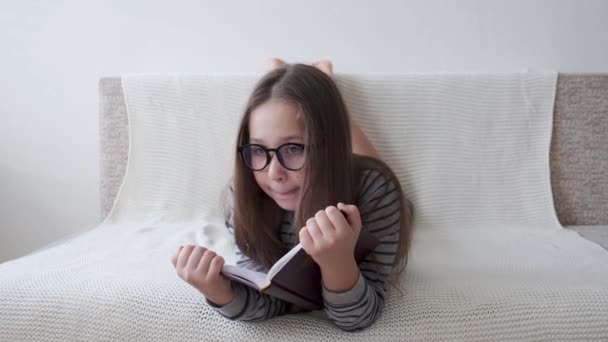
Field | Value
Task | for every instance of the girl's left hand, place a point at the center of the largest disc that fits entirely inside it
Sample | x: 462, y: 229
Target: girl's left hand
x: 330, y: 238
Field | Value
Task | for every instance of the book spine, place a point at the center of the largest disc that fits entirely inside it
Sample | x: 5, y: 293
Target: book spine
x: 288, y: 295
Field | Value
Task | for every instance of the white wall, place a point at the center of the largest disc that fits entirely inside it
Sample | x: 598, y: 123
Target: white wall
x: 52, y: 54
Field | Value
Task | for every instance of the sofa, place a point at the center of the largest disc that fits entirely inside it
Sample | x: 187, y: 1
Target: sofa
x: 578, y: 154
x: 76, y: 301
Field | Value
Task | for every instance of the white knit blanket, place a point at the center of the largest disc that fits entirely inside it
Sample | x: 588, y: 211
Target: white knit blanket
x: 489, y: 262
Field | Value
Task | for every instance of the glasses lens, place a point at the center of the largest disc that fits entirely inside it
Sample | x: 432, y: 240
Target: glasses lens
x: 254, y: 156
x: 292, y: 156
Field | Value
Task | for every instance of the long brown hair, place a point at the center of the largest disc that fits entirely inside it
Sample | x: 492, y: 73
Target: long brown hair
x: 331, y: 169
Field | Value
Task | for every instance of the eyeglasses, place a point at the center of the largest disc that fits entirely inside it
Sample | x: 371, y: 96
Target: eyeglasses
x: 257, y: 157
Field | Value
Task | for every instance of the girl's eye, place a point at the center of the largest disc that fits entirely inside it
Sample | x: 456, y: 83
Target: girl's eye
x: 256, y: 150
x: 294, y: 149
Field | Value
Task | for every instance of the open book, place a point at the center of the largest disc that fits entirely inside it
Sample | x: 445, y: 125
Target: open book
x: 295, y: 278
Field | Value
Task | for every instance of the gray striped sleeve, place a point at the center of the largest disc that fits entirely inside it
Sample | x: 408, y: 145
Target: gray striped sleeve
x: 248, y: 304
x: 379, y: 205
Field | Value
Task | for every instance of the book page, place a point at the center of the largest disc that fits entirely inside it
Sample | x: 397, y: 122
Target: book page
x: 365, y: 244
x: 281, y: 262
x: 248, y: 277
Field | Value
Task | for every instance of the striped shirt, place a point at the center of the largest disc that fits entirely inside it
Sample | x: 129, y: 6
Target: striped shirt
x: 354, y: 309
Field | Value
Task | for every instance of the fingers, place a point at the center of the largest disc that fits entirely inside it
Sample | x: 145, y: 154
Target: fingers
x: 184, y: 255
x: 352, y: 215
x: 337, y: 219
x: 313, y: 230
x: 195, y: 257
x: 205, y: 262
x: 324, y: 223
x: 174, y: 258
x: 331, y: 221
x: 215, y: 266
x: 306, y: 240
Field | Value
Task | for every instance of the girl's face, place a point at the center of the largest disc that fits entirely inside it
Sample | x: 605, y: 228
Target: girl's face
x: 272, y: 124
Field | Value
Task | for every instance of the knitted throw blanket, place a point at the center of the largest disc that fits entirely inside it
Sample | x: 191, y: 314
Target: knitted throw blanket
x: 489, y: 260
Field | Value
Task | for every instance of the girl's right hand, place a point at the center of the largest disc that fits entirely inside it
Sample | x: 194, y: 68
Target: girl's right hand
x: 201, y: 268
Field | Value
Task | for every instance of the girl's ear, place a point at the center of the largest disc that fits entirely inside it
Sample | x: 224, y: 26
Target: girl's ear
x: 276, y: 63
x: 325, y: 66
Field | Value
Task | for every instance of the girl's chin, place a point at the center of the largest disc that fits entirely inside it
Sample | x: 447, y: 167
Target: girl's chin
x: 288, y: 201
x: 286, y: 205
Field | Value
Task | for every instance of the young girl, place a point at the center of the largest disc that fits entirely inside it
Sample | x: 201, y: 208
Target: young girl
x: 294, y: 171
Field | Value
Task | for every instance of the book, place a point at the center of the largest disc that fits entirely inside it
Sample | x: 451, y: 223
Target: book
x: 295, y: 277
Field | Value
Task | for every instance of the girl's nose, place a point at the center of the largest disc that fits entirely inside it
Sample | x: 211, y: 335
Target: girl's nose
x: 275, y: 169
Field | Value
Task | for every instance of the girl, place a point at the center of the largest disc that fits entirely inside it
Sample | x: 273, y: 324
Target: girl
x: 294, y: 171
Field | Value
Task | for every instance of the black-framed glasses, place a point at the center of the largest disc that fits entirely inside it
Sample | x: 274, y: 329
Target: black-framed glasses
x: 292, y: 156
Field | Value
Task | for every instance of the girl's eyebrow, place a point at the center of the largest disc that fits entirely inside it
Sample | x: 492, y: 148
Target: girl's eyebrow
x: 288, y: 138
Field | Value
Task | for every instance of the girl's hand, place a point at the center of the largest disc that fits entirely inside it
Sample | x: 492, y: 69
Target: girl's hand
x: 201, y: 268
x: 330, y: 238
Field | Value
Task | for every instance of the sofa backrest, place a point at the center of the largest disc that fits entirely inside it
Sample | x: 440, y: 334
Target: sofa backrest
x: 578, y: 153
